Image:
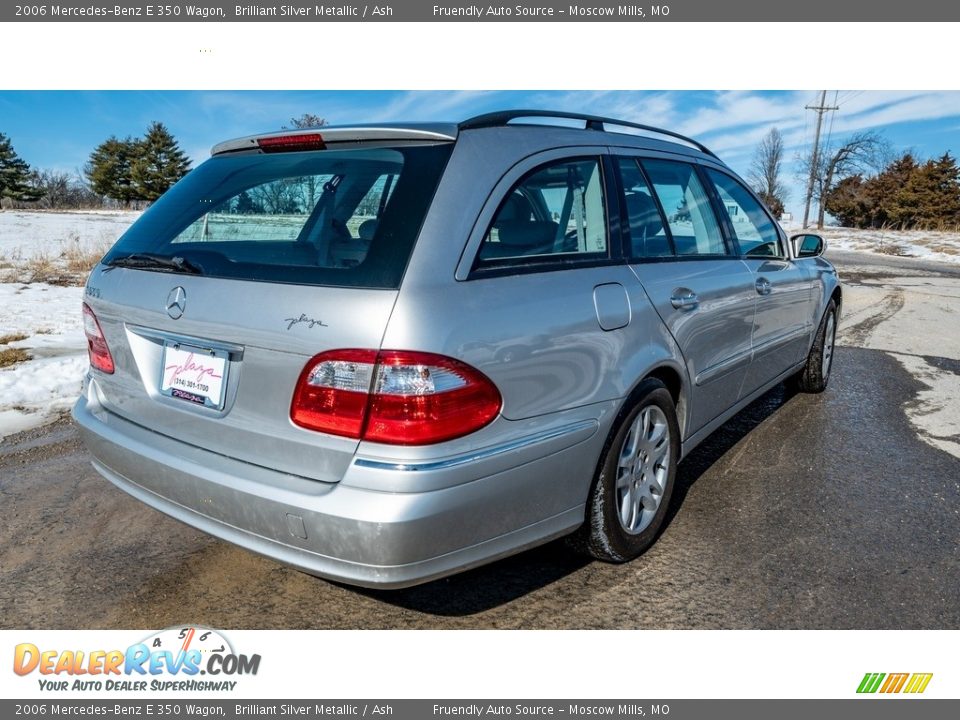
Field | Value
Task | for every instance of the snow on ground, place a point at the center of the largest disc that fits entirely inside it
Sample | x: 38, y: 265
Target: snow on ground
x: 32, y: 392
x: 25, y: 234
x: 933, y: 245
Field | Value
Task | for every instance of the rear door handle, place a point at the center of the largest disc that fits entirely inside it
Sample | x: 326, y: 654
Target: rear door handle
x: 763, y: 286
x: 684, y: 299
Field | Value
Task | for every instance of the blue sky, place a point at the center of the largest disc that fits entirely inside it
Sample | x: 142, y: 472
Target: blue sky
x: 59, y: 129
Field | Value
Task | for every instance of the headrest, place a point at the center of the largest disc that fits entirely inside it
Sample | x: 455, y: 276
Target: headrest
x: 527, y: 234
x: 367, y: 229
x: 643, y: 214
x: 516, y: 207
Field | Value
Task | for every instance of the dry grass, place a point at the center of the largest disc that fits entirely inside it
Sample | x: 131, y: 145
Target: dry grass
x: 12, y: 356
x: 81, y: 259
x: 12, y: 337
x: 892, y: 249
x: 68, y: 267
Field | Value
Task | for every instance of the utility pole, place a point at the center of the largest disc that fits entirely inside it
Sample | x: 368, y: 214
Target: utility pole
x: 820, y: 109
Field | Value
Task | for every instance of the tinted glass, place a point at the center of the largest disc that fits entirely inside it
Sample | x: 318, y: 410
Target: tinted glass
x: 557, y: 210
x: 648, y: 231
x: 693, y: 226
x: 755, y: 232
x: 333, y: 217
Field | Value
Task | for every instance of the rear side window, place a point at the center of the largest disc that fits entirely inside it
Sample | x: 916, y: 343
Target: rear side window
x: 332, y: 217
x: 648, y: 231
x: 555, y: 212
x: 693, y: 226
x: 753, y: 229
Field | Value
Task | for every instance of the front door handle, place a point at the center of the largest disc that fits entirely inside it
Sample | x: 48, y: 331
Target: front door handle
x: 763, y: 286
x: 684, y: 299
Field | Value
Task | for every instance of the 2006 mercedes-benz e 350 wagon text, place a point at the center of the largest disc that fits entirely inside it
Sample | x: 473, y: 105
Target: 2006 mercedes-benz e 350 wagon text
x: 386, y: 354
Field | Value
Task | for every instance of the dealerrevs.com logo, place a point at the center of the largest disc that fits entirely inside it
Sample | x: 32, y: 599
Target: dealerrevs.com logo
x: 179, y: 659
x: 909, y: 683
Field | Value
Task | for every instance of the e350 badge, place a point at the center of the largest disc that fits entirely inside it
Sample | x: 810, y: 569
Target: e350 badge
x: 172, y: 659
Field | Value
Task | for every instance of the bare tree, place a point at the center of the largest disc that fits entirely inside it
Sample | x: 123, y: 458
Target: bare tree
x: 307, y: 120
x: 864, y: 153
x: 765, y: 170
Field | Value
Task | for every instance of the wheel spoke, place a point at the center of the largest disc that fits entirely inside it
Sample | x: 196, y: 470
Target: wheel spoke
x: 654, y: 483
x: 660, y: 458
x: 626, y: 508
x: 658, y: 434
x: 630, y: 445
x: 648, y: 502
x: 646, y: 421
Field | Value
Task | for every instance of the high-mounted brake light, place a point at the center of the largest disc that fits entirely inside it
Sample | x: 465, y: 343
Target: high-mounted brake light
x: 395, y: 397
x: 291, y: 143
x: 97, y: 349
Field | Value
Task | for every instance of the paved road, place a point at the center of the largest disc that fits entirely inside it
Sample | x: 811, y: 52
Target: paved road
x: 833, y: 511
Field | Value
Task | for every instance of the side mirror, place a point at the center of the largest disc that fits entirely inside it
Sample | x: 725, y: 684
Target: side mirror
x: 807, y: 245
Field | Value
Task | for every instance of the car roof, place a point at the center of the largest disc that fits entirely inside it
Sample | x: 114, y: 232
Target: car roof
x: 561, y: 127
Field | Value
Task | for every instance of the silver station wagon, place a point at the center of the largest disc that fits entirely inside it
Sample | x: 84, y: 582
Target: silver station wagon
x: 384, y: 354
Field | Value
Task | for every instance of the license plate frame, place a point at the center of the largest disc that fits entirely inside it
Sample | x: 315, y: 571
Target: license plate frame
x: 194, y: 374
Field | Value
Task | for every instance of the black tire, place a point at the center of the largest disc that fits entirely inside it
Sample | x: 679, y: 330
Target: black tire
x: 815, y: 375
x: 603, y: 534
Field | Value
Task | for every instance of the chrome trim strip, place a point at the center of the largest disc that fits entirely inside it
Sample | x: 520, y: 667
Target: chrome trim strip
x: 482, y: 454
x: 725, y: 367
x: 235, y: 351
x: 775, y: 342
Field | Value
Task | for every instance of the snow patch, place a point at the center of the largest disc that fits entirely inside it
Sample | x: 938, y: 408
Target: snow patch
x: 33, y: 392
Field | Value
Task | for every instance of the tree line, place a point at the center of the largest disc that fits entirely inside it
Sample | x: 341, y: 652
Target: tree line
x: 123, y: 172
x: 861, y: 183
x: 906, y: 194
x: 120, y: 172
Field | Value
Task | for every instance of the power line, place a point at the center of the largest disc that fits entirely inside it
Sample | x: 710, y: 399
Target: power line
x: 820, y: 109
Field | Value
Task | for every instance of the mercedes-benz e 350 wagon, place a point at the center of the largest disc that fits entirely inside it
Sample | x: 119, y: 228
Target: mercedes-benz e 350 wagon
x: 387, y: 354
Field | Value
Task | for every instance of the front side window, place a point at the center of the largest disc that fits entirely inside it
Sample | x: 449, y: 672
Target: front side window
x: 554, y: 212
x: 753, y: 229
x: 685, y: 202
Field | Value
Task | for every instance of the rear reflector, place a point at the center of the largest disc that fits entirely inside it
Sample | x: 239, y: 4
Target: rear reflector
x: 394, y: 397
x: 97, y: 349
x: 291, y: 143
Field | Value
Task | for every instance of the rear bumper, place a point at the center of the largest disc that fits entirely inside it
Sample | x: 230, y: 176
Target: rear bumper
x: 347, y: 531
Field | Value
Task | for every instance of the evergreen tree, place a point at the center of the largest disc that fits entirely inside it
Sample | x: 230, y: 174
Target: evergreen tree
x: 946, y: 180
x: 15, y: 175
x: 847, y: 201
x: 110, y: 167
x: 158, y: 164
x: 906, y: 194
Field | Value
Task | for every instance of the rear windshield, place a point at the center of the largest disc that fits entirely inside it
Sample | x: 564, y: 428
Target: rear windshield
x: 333, y: 217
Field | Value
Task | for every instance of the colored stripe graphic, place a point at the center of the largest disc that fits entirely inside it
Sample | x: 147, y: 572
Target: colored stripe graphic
x: 918, y: 683
x: 894, y: 683
x: 870, y: 682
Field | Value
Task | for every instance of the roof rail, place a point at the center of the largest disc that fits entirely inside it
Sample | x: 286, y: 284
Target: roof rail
x: 591, y: 122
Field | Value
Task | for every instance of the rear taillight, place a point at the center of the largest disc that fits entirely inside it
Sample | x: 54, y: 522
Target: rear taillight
x: 97, y: 349
x: 395, y: 397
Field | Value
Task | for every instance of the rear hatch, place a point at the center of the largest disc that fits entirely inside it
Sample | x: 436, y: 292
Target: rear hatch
x: 214, y: 301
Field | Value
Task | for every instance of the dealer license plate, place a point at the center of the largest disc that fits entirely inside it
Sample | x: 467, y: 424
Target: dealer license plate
x: 194, y: 374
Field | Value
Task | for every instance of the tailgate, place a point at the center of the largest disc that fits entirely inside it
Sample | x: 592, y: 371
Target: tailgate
x: 256, y: 336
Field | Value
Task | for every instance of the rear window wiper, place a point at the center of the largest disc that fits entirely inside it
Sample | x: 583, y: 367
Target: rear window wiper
x: 152, y: 261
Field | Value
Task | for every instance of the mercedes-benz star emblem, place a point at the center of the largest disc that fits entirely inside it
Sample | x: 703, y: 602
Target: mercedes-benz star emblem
x: 176, y: 302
